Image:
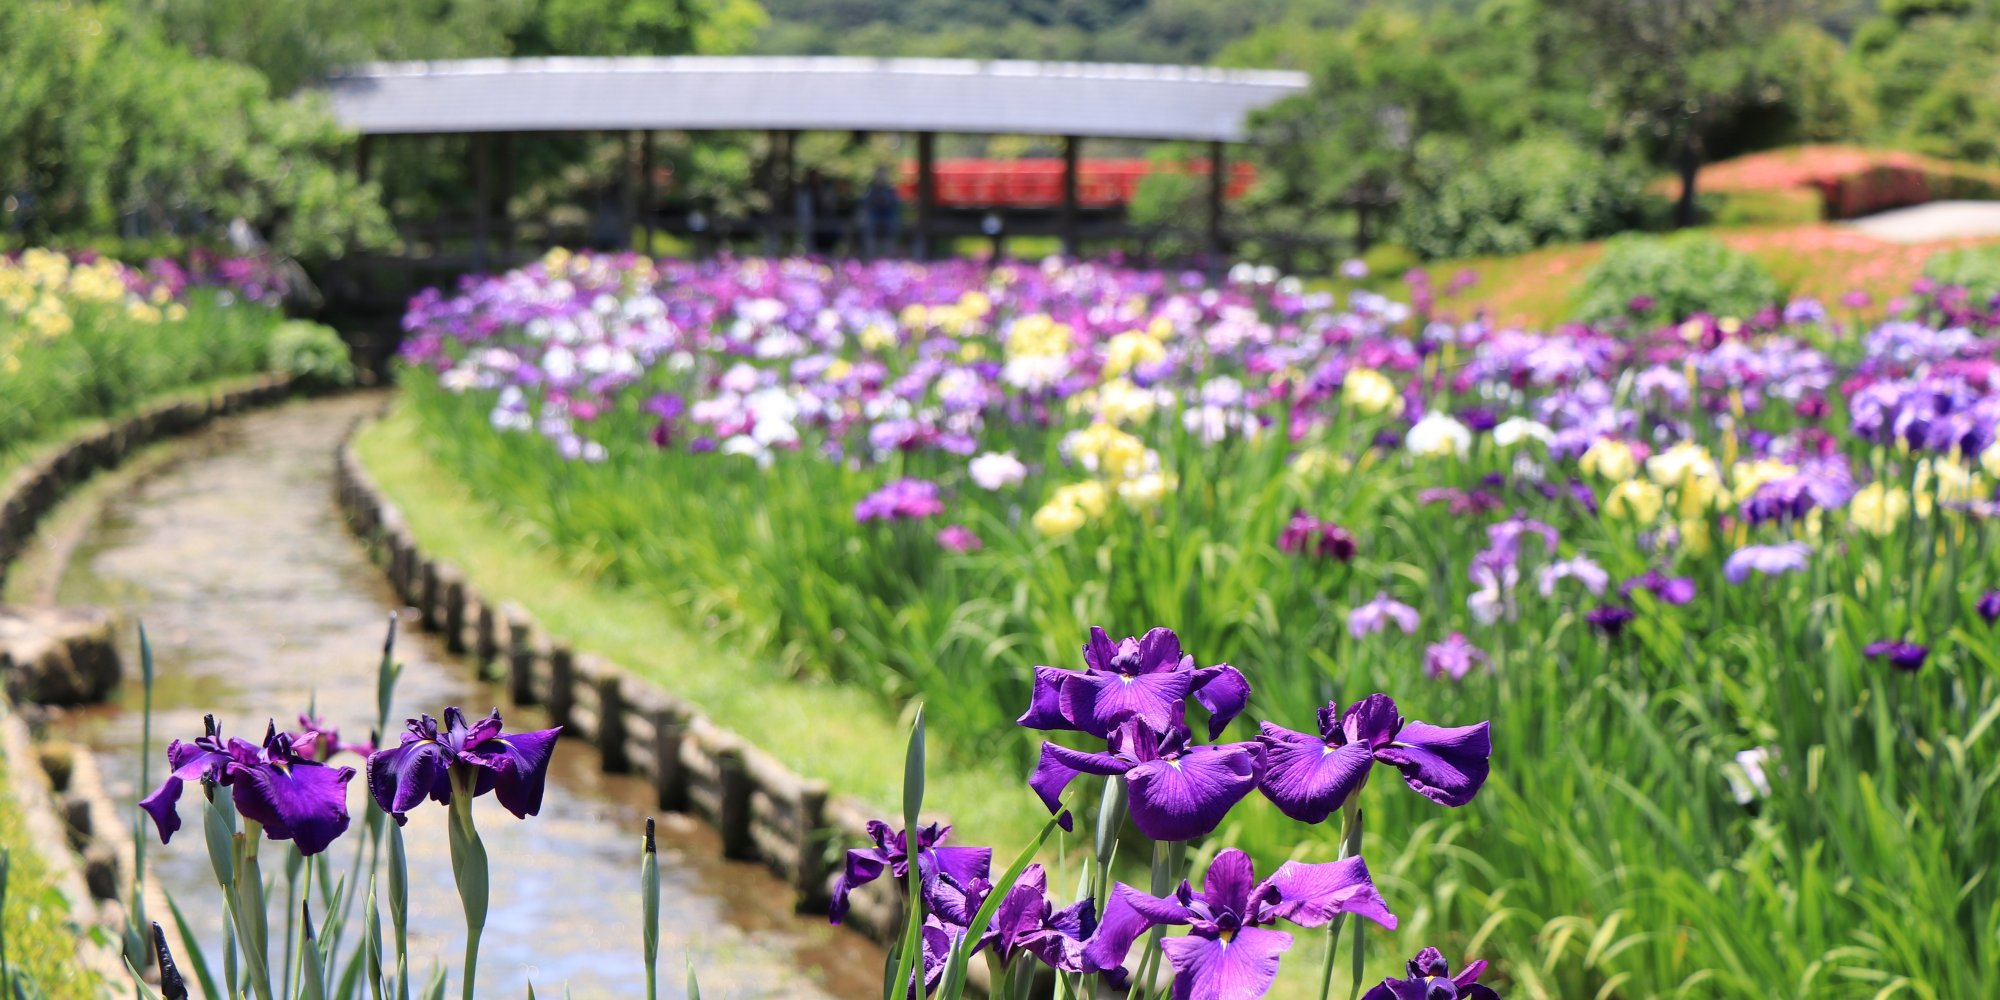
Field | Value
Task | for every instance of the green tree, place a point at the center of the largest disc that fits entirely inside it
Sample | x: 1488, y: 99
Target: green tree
x: 1382, y: 91
x: 1675, y: 73
x: 109, y: 130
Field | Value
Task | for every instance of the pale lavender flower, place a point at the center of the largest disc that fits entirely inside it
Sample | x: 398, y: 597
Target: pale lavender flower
x: 1377, y: 614
x: 1582, y: 569
x: 1454, y: 657
x: 1770, y: 560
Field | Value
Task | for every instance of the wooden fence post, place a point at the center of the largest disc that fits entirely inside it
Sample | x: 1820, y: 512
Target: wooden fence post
x: 670, y: 725
x: 734, y: 819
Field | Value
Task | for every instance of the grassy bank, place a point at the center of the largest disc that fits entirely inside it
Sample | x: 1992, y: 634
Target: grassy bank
x: 1819, y: 260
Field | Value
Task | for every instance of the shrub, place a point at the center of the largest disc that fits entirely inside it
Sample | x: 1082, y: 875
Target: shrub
x: 1534, y: 192
x: 312, y: 353
x: 1670, y: 278
x: 1975, y: 269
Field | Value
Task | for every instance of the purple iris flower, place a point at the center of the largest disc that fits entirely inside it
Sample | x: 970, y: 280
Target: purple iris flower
x: 1478, y: 418
x: 1149, y: 679
x: 1323, y: 540
x: 904, y: 499
x: 514, y: 767
x: 1374, y: 616
x: 1609, y: 619
x: 1822, y: 484
x: 1770, y: 560
x: 937, y: 943
x: 1454, y: 657
x: 963, y: 866
x: 294, y: 798
x: 667, y: 406
x: 1026, y: 921
x: 1675, y: 590
x: 1988, y: 606
x: 1906, y: 656
x: 1177, y: 791
x: 1505, y: 537
x: 1431, y: 979
x: 1309, y: 777
x: 1230, y: 951
x: 319, y: 740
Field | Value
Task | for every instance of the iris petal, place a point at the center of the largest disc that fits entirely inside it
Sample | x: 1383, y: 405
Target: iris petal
x: 1239, y: 967
x: 1128, y: 914
x: 1097, y: 702
x: 1226, y: 887
x: 1046, y: 701
x: 963, y: 864
x: 1445, y: 765
x: 1306, y: 778
x: 863, y: 867
x: 1222, y: 690
x: 1059, y: 765
x: 1312, y: 895
x: 519, y: 763
x: 161, y: 806
x: 1187, y: 797
x: 401, y: 777
x: 303, y: 802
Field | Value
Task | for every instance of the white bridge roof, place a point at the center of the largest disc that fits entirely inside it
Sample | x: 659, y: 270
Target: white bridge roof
x: 704, y: 93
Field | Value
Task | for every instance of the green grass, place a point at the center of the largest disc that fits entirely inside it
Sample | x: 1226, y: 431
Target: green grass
x: 41, y: 939
x: 843, y: 736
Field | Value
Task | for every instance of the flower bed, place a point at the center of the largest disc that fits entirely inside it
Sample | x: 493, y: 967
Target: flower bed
x: 1719, y: 587
x: 84, y: 337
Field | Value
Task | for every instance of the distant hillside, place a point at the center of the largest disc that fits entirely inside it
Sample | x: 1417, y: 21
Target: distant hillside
x: 1153, y: 31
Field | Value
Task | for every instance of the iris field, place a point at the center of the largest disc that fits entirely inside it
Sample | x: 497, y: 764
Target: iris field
x: 1723, y: 589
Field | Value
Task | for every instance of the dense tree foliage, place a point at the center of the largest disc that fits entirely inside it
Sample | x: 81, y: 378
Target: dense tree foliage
x: 163, y: 120
x: 1419, y: 125
x: 108, y: 129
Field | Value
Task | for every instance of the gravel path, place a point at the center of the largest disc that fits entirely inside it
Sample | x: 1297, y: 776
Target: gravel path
x: 1939, y: 220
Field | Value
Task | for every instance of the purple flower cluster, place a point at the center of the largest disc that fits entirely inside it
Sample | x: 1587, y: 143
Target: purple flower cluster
x: 902, y: 500
x: 292, y: 796
x: 1133, y: 695
x: 1307, y: 535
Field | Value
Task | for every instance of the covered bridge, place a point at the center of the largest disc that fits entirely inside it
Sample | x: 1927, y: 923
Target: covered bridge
x: 786, y: 95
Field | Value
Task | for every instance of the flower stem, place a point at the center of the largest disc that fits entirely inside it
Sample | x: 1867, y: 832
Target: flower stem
x: 1354, y: 850
x: 468, y: 868
x: 1350, y: 844
x: 649, y: 909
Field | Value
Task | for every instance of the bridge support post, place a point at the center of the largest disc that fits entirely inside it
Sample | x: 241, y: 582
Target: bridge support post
x: 926, y: 193
x: 1072, y: 239
x: 482, y: 201
x: 1218, y: 186
x: 646, y: 192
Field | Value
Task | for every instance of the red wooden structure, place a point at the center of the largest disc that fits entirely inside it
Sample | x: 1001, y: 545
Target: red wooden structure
x: 1038, y: 183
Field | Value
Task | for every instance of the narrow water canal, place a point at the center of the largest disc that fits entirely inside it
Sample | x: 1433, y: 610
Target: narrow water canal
x: 258, y: 602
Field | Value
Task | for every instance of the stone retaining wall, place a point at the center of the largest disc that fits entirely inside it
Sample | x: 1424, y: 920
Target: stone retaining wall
x: 764, y: 811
